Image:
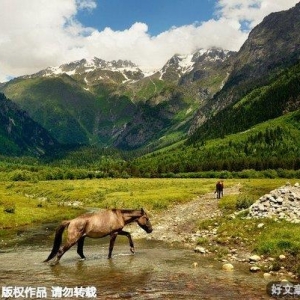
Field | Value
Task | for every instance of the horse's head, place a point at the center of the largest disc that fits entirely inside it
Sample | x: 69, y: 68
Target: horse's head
x: 144, y: 222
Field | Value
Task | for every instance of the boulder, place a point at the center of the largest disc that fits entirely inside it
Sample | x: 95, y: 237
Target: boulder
x: 199, y: 249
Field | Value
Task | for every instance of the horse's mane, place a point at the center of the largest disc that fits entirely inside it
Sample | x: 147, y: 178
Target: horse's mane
x: 128, y: 211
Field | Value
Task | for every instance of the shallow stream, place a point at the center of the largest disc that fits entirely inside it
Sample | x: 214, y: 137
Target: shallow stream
x: 155, y: 271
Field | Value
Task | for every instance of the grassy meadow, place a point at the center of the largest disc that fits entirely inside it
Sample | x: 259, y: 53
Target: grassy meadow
x: 24, y: 202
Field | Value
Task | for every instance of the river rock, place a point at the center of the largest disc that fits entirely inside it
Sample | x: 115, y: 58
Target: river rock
x: 199, y: 249
x: 267, y: 275
x: 282, y: 257
x: 254, y: 269
x: 254, y: 258
x: 228, y: 267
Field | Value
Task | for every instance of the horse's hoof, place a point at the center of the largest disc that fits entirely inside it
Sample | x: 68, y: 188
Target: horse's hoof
x: 82, y: 259
x: 132, y: 250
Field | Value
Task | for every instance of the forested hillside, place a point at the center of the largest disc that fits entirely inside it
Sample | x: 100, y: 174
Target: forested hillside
x: 19, y: 134
x: 279, y: 96
x: 270, y: 145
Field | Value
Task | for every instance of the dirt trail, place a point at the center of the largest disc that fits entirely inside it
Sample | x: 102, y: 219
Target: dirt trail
x: 178, y: 224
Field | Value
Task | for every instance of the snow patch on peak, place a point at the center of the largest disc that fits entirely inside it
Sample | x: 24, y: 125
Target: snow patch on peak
x: 186, y: 63
x: 92, y: 64
x: 212, y: 55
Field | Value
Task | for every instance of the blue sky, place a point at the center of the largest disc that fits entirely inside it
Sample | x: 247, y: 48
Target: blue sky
x: 36, y: 34
x: 159, y: 15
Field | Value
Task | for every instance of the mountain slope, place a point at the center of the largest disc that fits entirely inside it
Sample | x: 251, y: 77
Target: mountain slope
x: 280, y: 96
x: 253, y: 122
x: 272, y: 46
x: 72, y: 114
x: 210, y: 93
x: 19, y: 134
x: 274, y: 144
x: 115, y: 103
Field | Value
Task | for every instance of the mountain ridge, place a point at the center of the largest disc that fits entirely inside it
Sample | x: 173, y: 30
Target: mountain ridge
x: 124, y: 102
x: 272, y: 45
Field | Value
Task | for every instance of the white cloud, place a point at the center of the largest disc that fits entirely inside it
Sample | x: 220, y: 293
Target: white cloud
x: 36, y: 34
x: 252, y: 11
x: 86, y: 4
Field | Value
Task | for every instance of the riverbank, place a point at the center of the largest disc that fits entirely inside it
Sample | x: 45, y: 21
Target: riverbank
x: 203, y: 226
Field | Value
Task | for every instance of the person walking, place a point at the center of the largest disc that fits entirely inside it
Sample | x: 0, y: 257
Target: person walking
x: 219, y: 189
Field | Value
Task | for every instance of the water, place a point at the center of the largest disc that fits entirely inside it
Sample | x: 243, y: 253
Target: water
x: 155, y: 271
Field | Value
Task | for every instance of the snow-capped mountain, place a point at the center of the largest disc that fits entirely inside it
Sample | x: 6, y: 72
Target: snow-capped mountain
x: 201, y: 61
x: 122, y: 71
x: 95, y: 69
x: 116, y: 103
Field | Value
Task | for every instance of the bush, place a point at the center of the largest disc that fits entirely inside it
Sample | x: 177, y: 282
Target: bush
x: 270, y: 173
x: 20, y: 175
x: 244, y: 202
x: 248, y: 173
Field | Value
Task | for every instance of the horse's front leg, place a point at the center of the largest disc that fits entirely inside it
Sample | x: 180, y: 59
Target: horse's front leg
x: 80, y: 244
x: 129, y: 238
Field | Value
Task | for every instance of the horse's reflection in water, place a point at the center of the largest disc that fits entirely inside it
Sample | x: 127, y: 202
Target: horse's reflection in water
x: 97, y: 225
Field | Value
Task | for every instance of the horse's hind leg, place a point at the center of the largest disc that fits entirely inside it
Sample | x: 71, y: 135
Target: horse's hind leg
x: 80, y: 244
x: 62, y: 250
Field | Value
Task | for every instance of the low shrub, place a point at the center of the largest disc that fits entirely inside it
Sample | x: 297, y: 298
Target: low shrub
x: 244, y: 202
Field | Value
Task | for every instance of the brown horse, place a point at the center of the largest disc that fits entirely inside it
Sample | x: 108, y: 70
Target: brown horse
x: 97, y: 225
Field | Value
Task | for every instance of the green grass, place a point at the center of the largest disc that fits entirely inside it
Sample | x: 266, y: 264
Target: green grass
x: 272, y: 240
x: 42, y: 200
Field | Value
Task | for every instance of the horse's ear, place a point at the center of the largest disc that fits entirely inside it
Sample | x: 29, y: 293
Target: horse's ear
x: 142, y: 211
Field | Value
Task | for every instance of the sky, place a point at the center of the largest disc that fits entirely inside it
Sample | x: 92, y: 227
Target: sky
x: 36, y: 34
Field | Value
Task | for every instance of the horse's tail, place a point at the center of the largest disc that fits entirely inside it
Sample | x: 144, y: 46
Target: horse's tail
x: 57, y: 239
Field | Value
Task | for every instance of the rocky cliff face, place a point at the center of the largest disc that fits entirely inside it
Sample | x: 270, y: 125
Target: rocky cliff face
x: 187, y: 68
x: 272, y: 45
